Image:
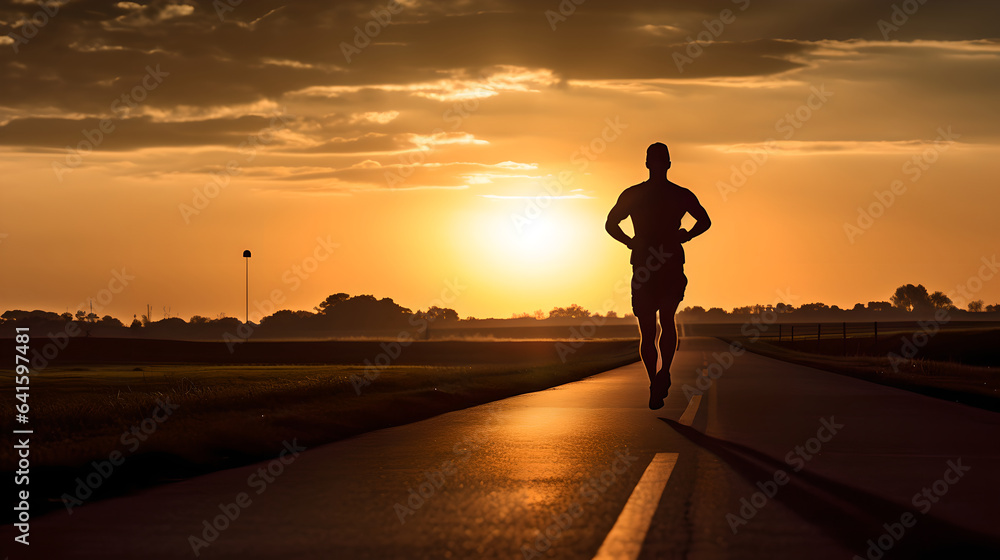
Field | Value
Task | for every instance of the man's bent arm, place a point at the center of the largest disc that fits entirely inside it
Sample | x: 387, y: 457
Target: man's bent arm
x: 702, y: 222
x: 612, y: 226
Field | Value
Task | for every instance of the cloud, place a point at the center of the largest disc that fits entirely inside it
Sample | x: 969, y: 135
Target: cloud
x: 460, y: 86
x: 500, y: 70
x: 378, y: 117
x: 535, y: 197
x: 130, y: 134
x: 138, y: 15
x: 851, y: 147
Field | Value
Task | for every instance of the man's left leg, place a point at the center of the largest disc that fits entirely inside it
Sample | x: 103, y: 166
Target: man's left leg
x: 667, y: 344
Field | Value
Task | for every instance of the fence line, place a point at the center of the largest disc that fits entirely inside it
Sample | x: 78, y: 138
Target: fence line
x: 782, y: 331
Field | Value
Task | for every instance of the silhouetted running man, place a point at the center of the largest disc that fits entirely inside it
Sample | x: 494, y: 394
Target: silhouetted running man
x: 656, y: 207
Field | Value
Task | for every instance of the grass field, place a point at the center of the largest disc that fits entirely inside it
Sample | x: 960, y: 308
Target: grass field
x: 226, y: 415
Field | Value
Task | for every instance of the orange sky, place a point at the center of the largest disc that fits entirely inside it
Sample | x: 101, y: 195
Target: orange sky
x: 420, y: 162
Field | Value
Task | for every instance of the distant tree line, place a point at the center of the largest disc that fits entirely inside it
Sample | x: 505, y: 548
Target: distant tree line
x: 572, y: 312
x: 906, y: 299
x: 338, y: 312
x: 361, y: 313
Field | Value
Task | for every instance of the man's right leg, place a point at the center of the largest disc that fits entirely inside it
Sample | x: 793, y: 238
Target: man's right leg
x: 647, y: 342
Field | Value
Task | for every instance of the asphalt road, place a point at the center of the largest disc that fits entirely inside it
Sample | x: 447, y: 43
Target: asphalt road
x: 779, y: 461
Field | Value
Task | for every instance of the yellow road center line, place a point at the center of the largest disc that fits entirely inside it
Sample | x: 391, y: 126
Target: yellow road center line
x: 692, y: 409
x: 624, y: 542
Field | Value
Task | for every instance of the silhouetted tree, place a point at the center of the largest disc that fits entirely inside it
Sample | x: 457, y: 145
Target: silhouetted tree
x: 36, y: 316
x: 976, y: 306
x: 436, y: 313
x: 288, y: 319
x: 814, y: 307
x: 993, y: 308
x: 198, y: 320
x: 696, y: 310
x: 109, y: 321
x: 879, y: 306
x: 911, y: 298
x: 755, y: 309
x: 858, y: 307
x: 175, y: 324
x: 941, y: 301
x: 332, y: 301
x: 572, y: 312
x: 365, y: 311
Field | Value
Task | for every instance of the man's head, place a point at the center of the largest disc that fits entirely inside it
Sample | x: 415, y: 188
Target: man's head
x: 657, y: 158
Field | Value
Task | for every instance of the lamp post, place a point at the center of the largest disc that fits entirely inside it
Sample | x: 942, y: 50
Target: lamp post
x: 246, y: 255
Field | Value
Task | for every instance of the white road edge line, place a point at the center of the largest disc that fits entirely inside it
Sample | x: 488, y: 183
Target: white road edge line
x: 624, y: 542
x: 692, y: 409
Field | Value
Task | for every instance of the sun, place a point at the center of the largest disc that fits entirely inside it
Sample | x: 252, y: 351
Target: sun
x: 510, y: 245
x: 534, y: 241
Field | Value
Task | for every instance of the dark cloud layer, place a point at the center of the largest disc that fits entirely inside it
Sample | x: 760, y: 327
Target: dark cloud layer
x: 91, y: 53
